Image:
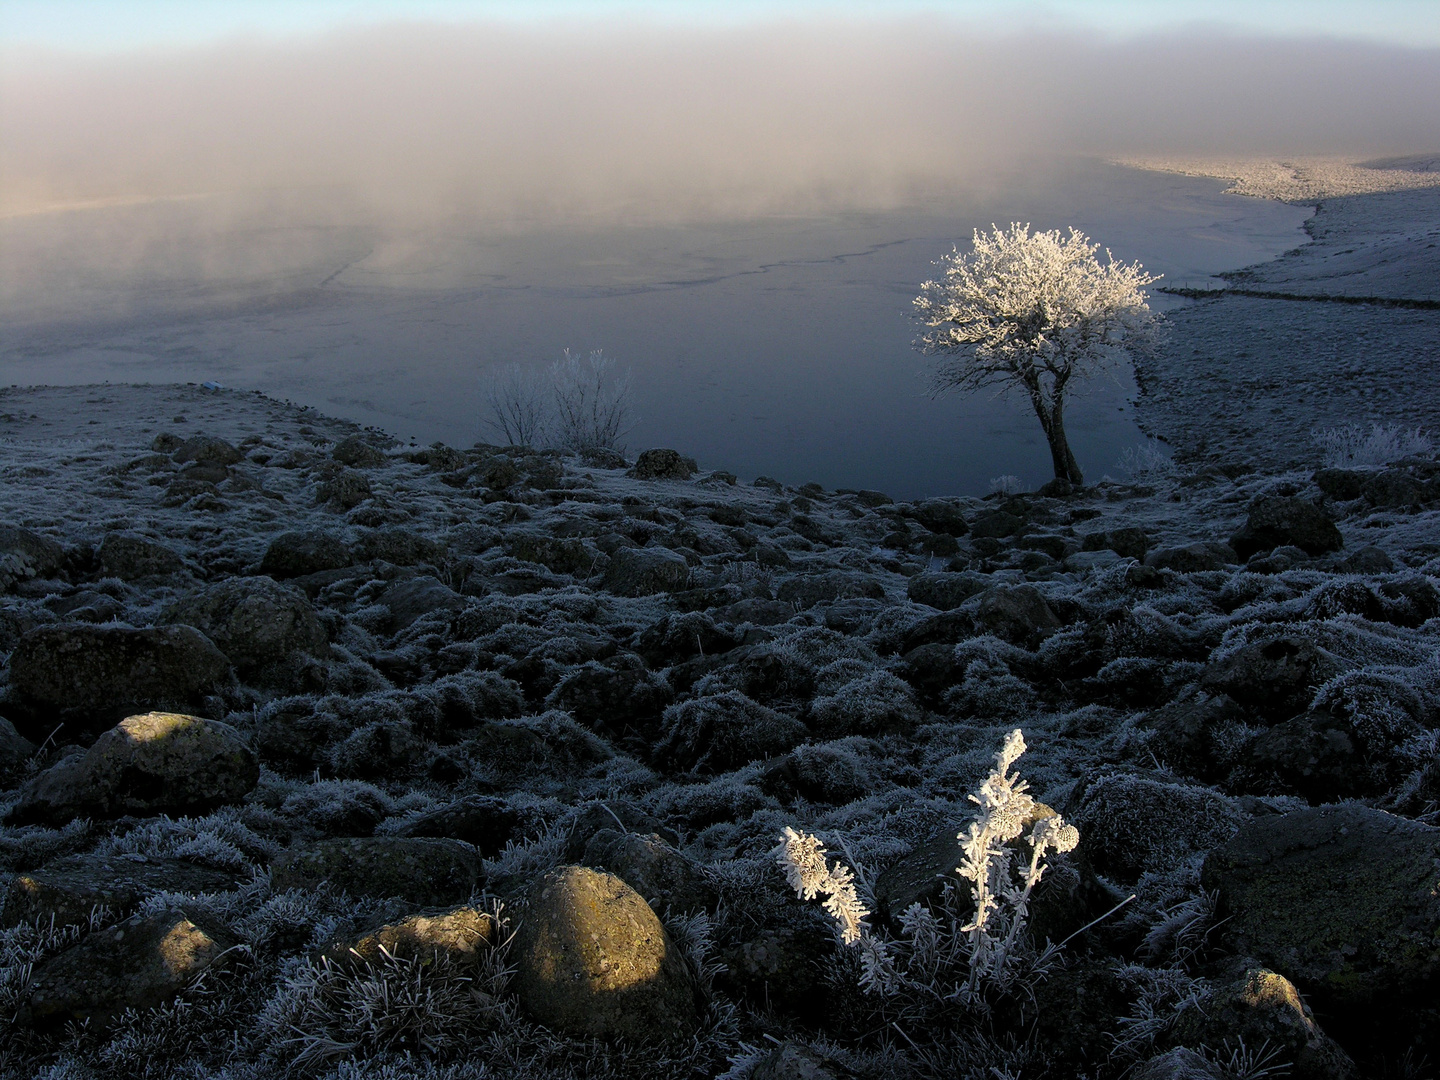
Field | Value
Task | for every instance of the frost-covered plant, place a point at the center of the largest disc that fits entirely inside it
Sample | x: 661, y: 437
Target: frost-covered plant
x: 1352, y: 447
x: 1006, y: 485
x: 948, y: 954
x: 592, y: 402
x: 518, y: 400
x: 1033, y: 312
x: 1149, y: 460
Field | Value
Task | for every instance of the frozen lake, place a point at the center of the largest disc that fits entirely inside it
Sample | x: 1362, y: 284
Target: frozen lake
x: 779, y: 346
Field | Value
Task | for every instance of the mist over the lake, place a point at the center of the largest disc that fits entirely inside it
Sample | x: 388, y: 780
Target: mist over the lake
x: 368, y: 219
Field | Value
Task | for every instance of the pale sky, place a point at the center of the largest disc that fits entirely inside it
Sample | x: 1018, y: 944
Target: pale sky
x: 127, y: 24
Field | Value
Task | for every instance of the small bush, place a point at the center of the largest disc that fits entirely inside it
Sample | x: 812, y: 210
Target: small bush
x: 1352, y: 447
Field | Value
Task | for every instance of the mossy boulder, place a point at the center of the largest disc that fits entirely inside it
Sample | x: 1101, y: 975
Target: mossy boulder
x: 591, y: 959
x: 459, y: 935
x: 155, y: 763
x: 426, y: 871
x: 267, y: 630
x: 68, y: 888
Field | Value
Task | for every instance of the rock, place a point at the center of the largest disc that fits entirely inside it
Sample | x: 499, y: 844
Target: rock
x: 137, y: 964
x: 558, y: 555
x: 664, y: 877
x: 793, y: 1061
x: 1396, y: 488
x: 1276, y: 677
x: 430, y: 872
x: 1260, y: 1007
x: 645, y: 571
x: 25, y: 555
x: 1341, y: 484
x: 1342, y: 900
x: 807, y: 590
x: 1197, y: 734
x: 613, y: 697
x: 358, y: 453
x: 400, y: 547
x: 601, y: 457
x: 1129, y: 543
x: 945, y: 591
x: 483, y: 821
x: 91, y: 676
x: 1016, y: 613
x: 940, y: 516
x: 995, y: 524
x: 262, y: 626
x: 1083, y: 561
x: 68, y: 889
x: 1324, y: 756
x: 134, y: 558
x: 297, y: 554
x: 207, y: 450
x: 409, y: 599
x: 1275, y: 521
x: 344, y: 491
x: 725, y: 731
x: 1192, y: 558
x: 1131, y: 825
x: 1367, y: 560
x: 932, y: 669
x: 458, y: 935
x: 15, y: 754
x: 661, y: 464
x: 681, y: 636
x: 156, y: 763
x: 592, y: 960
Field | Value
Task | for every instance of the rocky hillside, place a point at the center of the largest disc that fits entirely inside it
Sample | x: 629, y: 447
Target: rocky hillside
x: 329, y: 756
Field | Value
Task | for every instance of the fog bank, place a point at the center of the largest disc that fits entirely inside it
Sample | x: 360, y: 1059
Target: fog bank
x: 621, y: 123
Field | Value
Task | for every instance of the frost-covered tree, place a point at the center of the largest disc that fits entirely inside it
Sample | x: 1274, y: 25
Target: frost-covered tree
x: 592, y: 402
x: 1035, y: 311
x: 518, y: 399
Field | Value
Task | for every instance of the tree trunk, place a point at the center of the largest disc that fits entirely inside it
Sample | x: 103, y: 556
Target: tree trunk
x: 1052, y: 422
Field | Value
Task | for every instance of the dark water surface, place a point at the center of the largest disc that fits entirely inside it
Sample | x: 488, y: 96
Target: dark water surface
x: 779, y: 346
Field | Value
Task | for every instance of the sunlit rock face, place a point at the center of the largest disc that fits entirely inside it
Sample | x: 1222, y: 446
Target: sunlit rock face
x: 592, y: 959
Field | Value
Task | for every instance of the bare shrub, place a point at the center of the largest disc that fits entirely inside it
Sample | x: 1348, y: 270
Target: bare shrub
x: 518, y: 400
x: 1352, y: 447
x: 592, y: 402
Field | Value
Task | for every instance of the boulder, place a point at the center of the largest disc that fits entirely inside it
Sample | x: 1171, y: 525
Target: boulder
x: 1367, y: 560
x: 945, y: 591
x: 725, y: 731
x: 995, y: 524
x: 426, y: 871
x: 459, y: 935
x: 592, y: 960
x: 15, y: 754
x: 1191, y: 558
x: 25, y: 556
x: 358, y: 453
x: 137, y: 964
x: 411, y: 598
x: 1277, y: 678
x: 795, y: 1061
x: 807, y: 590
x: 1016, y: 613
x: 297, y: 554
x: 877, y: 703
x: 156, y: 763
x: 612, y: 697
x: 1128, y: 542
x: 134, y: 558
x: 558, y: 555
x: 939, y: 516
x: 91, y: 676
x: 207, y: 450
x: 483, y: 821
x: 1341, y: 484
x: 662, y: 464
x: 1180, y: 1063
x: 262, y: 626
x: 402, y: 547
x: 664, y: 877
x: 69, y: 888
x: 645, y: 571
x: 346, y: 490
x: 1275, y: 521
x: 1343, y: 900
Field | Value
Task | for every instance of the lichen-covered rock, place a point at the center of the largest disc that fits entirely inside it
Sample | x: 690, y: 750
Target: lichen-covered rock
x: 427, y: 871
x: 807, y: 590
x: 155, y: 763
x: 411, y: 598
x: 591, y: 959
x: 645, y: 571
x: 91, y: 676
x: 1191, y: 558
x: 345, y: 490
x: 1180, y: 1063
x: 1016, y: 613
x: 297, y: 554
x: 135, y: 558
x: 1276, y: 678
x: 1274, y: 521
x: 262, y: 626
x: 69, y: 888
x: 662, y: 464
x: 25, y: 554
x: 1127, y: 542
x: 1342, y: 900
x: 614, y: 697
x: 459, y: 935
x: 136, y: 964
x: 721, y: 732
x: 484, y: 821
x: 207, y: 450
